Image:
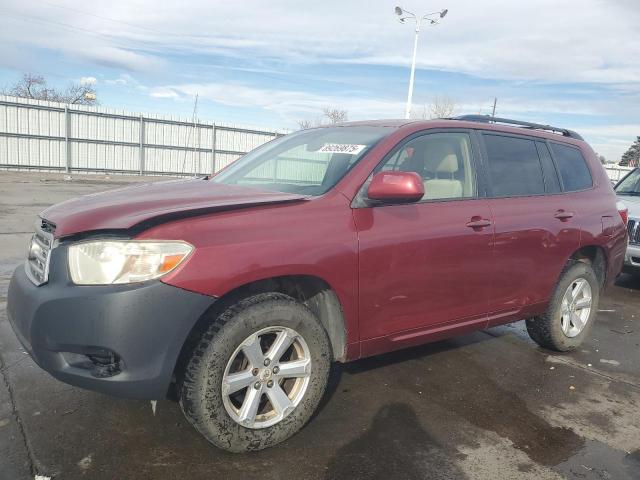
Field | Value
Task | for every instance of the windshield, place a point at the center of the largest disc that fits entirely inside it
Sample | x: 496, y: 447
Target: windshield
x: 309, y: 162
x: 630, y: 185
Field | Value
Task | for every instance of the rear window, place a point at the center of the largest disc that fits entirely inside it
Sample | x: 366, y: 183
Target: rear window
x: 572, y: 167
x: 514, y: 166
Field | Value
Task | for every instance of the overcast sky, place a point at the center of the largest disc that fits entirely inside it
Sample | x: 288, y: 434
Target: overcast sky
x: 575, y: 63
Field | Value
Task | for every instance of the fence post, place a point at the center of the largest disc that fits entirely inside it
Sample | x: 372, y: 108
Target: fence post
x: 141, y: 153
x: 67, y: 150
x: 213, y: 149
x: 276, y: 164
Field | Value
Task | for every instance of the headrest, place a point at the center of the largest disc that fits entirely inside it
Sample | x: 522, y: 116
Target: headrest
x: 449, y: 164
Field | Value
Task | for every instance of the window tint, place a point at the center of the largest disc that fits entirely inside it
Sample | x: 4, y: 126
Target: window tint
x: 551, y: 182
x: 443, y: 160
x: 573, y: 168
x: 514, y: 166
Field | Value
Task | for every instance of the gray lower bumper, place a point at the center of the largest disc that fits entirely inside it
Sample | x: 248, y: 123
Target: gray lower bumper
x: 144, y: 324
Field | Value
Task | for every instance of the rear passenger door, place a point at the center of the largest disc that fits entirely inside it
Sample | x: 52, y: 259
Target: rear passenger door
x: 535, y: 228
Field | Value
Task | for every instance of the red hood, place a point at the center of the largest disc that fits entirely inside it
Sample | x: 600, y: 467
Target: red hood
x: 125, y: 207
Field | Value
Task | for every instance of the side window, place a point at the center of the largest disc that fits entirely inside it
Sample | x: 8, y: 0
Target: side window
x: 513, y: 166
x: 551, y: 182
x: 573, y: 168
x: 443, y: 160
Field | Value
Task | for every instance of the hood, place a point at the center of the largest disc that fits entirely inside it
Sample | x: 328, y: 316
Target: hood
x: 632, y: 203
x: 154, y: 202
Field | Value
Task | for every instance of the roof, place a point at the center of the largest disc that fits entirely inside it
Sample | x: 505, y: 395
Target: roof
x: 466, y: 121
x: 391, y: 122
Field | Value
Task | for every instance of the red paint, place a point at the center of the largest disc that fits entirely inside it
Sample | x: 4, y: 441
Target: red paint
x: 531, y: 247
x: 404, y: 274
x: 125, y: 207
x: 396, y: 187
x: 420, y: 265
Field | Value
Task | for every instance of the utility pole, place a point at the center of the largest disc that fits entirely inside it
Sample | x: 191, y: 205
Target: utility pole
x: 407, y: 110
x: 495, y: 101
x: 191, y: 131
x: 433, y: 20
x: 195, y: 131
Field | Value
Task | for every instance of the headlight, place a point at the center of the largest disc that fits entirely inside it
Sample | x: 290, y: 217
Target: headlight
x: 115, y: 262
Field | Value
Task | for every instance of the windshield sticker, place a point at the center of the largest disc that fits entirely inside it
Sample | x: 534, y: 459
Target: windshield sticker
x: 349, y: 149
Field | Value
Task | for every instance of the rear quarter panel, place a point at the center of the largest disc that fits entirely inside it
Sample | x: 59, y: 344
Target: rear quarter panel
x: 600, y: 222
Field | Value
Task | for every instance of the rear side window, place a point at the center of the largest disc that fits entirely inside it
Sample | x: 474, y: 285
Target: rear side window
x: 573, y: 168
x: 514, y: 166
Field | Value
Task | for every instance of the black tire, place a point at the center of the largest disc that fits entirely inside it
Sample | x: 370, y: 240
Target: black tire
x: 546, y: 330
x: 201, y: 397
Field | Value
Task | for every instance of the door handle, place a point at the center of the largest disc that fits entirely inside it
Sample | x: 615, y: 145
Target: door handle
x: 562, y: 215
x: 478, y: 223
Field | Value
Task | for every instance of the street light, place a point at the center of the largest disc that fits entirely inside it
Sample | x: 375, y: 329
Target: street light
x: 432, y: 18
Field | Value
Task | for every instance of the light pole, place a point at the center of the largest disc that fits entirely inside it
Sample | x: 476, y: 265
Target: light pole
x: 433, y: 20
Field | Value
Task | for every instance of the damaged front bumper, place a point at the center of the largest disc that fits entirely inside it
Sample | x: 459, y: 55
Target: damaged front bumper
x: 122, y: 340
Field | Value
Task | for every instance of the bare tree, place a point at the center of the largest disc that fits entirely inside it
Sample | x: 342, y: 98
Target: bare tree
x: 441, y: 107
x: 35, y: 87
x: 80, y: 93
x: 335, y: 115
x: 305, y: 124
x: 332, y: 114
x: 602, y: 158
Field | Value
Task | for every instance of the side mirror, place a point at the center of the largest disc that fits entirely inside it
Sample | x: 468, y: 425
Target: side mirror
x: 396, y: 187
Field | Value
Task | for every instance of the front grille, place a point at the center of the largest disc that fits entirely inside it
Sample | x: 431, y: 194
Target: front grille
x: 39, y: 256
x: 633, y: 226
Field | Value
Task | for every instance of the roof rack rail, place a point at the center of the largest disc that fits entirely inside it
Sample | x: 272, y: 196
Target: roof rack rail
x: 536, y: 126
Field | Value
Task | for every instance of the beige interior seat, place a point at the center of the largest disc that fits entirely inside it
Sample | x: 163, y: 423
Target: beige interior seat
x: 441, y: 186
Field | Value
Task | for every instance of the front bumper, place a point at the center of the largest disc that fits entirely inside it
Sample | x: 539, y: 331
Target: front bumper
x: 632, y: 259
x: 144, y: 325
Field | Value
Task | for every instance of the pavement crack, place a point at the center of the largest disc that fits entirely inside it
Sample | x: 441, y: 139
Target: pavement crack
x: 598, y: 373
x: 569, y: 362
x: 11, y: 365
x: 34, y: 468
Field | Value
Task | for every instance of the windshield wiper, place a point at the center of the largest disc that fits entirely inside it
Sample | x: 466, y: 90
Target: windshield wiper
x: 631, y: 194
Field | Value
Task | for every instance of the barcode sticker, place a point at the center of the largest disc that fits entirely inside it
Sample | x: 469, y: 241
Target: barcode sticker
x: 349, y: 149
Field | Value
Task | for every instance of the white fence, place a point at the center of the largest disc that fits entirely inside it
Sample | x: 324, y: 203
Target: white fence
x: 47, y: 136
x: 616, y: 172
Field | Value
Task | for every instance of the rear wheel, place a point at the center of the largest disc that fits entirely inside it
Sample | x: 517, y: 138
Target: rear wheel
x: 571, y: 312
x: 258, y: 373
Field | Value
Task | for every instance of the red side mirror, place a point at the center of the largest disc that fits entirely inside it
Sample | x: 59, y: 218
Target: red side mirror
x: 396, y: 187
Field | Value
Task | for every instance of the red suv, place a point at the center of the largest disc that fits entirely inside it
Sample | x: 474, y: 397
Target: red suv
x: 329, y: 244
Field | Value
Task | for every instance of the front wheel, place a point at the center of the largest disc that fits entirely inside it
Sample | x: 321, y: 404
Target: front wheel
x: 571, y: 312
x: 258, y: 373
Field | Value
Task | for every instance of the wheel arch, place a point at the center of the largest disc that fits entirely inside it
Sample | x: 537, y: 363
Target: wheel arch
x: 596, y: 257
x: 312, y: 291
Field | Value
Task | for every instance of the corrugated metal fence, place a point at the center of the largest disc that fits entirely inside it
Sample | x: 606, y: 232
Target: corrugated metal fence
x: 38, y: 135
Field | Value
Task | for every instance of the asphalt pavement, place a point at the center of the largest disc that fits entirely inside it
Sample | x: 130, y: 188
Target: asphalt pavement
x: 490, y: 405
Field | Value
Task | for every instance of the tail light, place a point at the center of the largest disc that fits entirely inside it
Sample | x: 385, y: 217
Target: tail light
x: 623, y: 211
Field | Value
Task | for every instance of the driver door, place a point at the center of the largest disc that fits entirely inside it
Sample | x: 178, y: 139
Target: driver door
x: 424, y: 267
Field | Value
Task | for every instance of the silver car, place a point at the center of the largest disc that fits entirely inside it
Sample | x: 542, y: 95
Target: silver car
x: 628, y: 191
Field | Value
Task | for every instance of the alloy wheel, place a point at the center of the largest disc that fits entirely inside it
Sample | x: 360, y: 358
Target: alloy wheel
x: 576, y: 307
x: 266, y: 377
